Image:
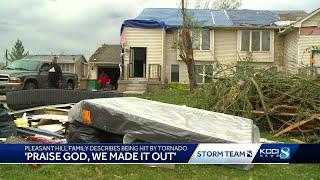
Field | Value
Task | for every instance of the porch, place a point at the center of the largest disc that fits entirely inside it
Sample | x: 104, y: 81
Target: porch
x: 146, y: 80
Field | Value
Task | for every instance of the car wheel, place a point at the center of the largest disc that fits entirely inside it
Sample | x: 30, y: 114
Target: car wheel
x: 30, y: 85
x: 70, y: 86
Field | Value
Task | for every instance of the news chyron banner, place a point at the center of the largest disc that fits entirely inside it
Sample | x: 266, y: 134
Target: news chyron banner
x: 159, y: 153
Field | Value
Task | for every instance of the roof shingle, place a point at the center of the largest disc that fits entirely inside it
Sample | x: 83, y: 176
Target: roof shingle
x: 107, y: 54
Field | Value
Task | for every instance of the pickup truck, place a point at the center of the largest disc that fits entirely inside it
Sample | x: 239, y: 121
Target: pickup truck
x: 31, y: 74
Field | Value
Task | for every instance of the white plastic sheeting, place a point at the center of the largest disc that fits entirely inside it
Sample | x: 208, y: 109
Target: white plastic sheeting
x: 158, y: 122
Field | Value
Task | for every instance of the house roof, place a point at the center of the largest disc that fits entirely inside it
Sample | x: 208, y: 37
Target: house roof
x: 64, y: 59
x: 170, y: 18
x: 299, y: 22
x: 290, y: 15
x: 109, y: 54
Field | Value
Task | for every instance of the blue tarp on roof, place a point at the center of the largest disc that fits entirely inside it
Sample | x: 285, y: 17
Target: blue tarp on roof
x: 252, y: 17
x: 170, y: 18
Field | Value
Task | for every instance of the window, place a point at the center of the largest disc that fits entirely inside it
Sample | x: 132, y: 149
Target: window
x: 65, y: 67
x: 242, y: 70
x: 245, y: 41
x: 174, y: 72
x: 316, y: 58
x: 205, y: 39
x: 208, y: 71
x: 255, y: 45
x: 196, y: 41
x: 45, y: 67
x: 201, y: 72
x: 265, y: 40
x: 201, y: 40
x: 255, y: 41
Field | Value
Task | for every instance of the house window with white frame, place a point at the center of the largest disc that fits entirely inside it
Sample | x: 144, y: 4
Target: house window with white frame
x: 204, y: 73
x: 255, y: 40
x: 202, y: 40
x: 174, y: 72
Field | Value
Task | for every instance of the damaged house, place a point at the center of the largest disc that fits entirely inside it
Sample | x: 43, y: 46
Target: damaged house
x: 276, y: 39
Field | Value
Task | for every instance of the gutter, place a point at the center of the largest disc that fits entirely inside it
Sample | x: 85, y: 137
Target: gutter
x: 285, y: 30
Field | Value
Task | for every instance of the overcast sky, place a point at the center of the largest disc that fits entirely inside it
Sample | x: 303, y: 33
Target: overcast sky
x: 81, y: 26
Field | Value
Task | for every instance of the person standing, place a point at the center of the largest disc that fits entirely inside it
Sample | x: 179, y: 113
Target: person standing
x: 55, y: 74
x: 103, y: 81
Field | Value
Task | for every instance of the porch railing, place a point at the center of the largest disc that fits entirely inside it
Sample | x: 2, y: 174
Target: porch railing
x: 154, y: 72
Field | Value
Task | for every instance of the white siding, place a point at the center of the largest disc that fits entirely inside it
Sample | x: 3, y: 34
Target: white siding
x: 312, y: 21
x: 171, y: 58
x: 152, y: 39
x: 278, y: 51
x: 226, y: 46
x: 291, y: 52
x: 304, y: 43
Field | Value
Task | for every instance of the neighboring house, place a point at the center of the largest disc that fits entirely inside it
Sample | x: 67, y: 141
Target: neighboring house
x: 106, y: 58
x: 275, y: 38
x: 297, y: 38
x: 69, y: 63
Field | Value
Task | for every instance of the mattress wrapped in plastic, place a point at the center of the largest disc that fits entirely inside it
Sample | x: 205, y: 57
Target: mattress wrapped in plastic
x: 158, y: 122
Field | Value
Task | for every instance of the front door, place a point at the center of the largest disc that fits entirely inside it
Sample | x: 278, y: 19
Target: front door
x: 137, y: 64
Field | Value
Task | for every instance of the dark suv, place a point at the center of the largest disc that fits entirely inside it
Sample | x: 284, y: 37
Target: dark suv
x: 30, y: 74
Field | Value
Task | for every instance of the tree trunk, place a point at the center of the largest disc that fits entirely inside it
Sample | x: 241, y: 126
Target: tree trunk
x: 185, y: 47
x: 192, y: 75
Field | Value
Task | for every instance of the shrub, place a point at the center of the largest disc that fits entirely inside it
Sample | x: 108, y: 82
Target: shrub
x: 178, y: 86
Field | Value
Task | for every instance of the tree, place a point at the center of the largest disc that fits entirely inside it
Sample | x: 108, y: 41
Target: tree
x: 218, y: 4
x: 190, y: 29
x: 185, y: 46
x: 18, y: 51
x: 226, y: 4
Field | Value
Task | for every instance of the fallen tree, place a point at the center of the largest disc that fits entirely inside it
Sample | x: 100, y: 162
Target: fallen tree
x: 280, y: 102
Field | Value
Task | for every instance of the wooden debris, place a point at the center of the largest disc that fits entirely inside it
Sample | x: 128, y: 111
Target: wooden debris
x: 297, y: 141
x: 295, y: 125
x: 41, y: 107
x: 274, y: 100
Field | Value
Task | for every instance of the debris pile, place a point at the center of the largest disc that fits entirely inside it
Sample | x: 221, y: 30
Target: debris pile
x: 279, y: 102
x: 45, y: 124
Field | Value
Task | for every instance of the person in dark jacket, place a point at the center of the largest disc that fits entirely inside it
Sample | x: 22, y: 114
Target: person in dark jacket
x: 55, y: 74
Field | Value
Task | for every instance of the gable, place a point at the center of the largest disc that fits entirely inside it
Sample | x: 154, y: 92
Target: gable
x: 312, y: 21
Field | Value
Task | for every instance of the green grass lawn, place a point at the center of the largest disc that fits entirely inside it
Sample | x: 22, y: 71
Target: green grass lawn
x: 304, y: 171
x: 146, y: 172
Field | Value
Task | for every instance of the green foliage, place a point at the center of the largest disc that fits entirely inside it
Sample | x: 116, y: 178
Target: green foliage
x: 18, y: 51
x: 226, y: 4
x: 248, y: 57
x: 312, y: 48
x: 178, y: 86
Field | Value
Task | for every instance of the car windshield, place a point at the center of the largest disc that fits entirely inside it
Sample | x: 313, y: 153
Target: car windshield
x: 26, y: 65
